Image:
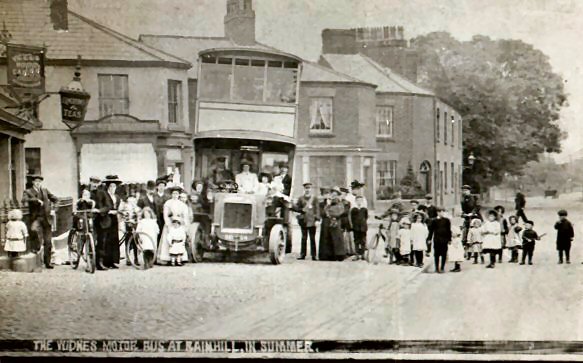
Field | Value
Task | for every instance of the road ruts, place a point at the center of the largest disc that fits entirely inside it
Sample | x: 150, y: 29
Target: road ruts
x: 318, y: 313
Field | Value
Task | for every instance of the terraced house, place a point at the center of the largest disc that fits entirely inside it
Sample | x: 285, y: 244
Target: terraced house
x: 187, y: 101
x: 355, y: 118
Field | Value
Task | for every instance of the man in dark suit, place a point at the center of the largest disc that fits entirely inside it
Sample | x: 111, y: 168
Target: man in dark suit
x: 431, y: 211
x: 39, y: 205
x: 309, y: 213
x: 286, y: 180
x: 519, y: 204
x: 359, y: 218
x: 148, y: 199
x: 160, y: 197
x: 108, y: 238
x: 441, y: 235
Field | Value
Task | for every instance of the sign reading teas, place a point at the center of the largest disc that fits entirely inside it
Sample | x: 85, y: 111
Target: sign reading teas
x: 73, y: 107
x: 26, y: 69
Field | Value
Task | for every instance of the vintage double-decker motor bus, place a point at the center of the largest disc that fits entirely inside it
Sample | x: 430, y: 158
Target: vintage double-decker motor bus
x: 246, y: 109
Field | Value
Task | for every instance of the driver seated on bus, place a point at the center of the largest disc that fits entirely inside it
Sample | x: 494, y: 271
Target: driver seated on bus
x: 220, y: 173
x: 246, y: 180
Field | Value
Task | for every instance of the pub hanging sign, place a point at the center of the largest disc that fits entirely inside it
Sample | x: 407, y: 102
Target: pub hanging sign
x: 73, y: 107
x: 25, y: 65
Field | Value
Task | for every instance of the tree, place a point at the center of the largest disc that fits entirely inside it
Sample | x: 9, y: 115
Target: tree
x: 507, y: 94
x: 409, y: 185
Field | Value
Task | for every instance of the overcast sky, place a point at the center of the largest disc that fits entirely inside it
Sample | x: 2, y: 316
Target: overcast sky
x: 553, y: 26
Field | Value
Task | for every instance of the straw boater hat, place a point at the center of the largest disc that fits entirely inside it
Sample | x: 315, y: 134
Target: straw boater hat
x: 111, y: 179
x: 94, y: 179
x: 36, y: 176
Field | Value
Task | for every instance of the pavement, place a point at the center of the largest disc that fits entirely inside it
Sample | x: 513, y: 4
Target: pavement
x: 350, y: 300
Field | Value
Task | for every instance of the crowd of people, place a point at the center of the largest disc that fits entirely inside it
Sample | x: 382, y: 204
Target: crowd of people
x: 164, y: 211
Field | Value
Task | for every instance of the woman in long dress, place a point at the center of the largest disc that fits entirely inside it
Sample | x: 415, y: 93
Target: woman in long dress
x: 336, y: 211
x: 325, y: 250
x: 174, y: 207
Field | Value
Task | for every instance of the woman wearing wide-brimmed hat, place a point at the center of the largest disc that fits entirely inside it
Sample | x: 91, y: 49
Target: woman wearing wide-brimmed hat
x: 108, y: 202
x: 173, y: 208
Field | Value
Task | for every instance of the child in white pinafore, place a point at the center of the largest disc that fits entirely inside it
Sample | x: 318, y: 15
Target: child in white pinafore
x: 392, y: 247
x: 149, y: 226
x: 475, y: 240
x: 455, y: 252
x: 16, y: 234
x: 177, y: 239
x: 514, y: 239
x: 405, y: 240
x: 419, y: 234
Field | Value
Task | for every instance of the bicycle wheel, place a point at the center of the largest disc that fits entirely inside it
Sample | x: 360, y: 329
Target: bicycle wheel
x: 135, y: 249
x: 73, y: 248
x: 89, y: 253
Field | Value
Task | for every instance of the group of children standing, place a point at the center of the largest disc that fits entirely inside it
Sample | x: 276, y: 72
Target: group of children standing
x: 404, y: 241
x: 411, y: 235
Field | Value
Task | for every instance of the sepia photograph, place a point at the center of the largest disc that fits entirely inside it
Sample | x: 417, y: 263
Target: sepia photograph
x: 324, y: 179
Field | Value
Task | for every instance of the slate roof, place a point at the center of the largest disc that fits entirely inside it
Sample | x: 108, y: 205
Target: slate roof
x: 362, y: 67
x: 188, y: 47
x: 29, y: 22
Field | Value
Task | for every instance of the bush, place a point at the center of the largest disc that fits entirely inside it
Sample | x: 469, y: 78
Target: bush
x: 410, y: 187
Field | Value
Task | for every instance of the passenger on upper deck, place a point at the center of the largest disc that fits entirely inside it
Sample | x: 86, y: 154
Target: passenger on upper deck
x: 247, y: 181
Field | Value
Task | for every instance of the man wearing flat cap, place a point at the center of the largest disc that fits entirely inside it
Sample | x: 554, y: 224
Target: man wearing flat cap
x: 470, y: 210
x: 220, y: 173
x: 247, y: 181
x: 39, y: 205
x: 286, y: 180
x: 309, y: 214
x: 94, y: 183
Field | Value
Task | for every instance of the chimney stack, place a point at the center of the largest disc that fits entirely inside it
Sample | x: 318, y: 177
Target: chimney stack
x: 59, y: 14
x: 240, y: 22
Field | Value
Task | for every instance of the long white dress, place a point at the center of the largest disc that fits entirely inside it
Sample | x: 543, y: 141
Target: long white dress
x: 405, y: 241
x: 16, y: 232
x: 491, y: 240
x: 150, y: 228
x: 419, y: 234
x: 172, y: 208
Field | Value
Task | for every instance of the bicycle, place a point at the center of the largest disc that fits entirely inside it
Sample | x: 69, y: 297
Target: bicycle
x: 134, y: 243
x: 81, y: 243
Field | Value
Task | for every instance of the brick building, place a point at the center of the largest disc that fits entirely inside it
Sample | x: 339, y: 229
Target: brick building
x: 137, y: 118
x: 423, y: 130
